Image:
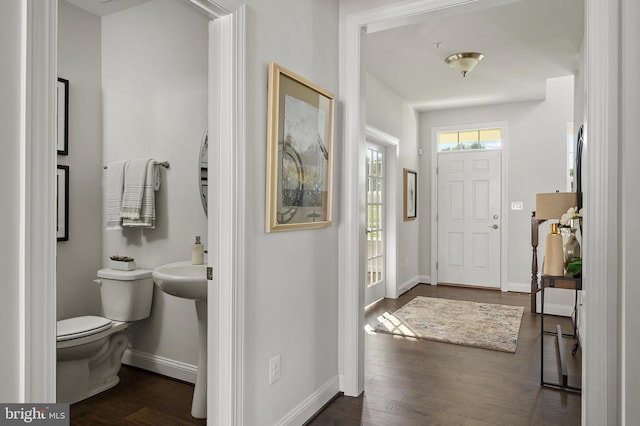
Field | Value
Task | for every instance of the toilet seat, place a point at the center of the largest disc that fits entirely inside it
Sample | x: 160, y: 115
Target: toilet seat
x: 74, y: 328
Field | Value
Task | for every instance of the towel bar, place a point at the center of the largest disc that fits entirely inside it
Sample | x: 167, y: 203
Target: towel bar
x: 164, y: 164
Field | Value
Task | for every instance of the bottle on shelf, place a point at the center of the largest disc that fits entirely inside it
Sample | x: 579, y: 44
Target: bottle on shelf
x: 197, y: 252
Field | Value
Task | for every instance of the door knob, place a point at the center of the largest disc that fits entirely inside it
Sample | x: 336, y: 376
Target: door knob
x: 493, y: 226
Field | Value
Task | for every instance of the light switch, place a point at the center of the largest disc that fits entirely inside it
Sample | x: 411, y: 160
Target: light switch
x: 517, y: 205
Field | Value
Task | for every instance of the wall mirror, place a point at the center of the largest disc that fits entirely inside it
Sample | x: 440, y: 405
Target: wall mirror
x: 204, y: 168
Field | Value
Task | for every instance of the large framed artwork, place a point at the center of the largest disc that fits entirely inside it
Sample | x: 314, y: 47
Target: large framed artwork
x: 299, y: 153
x: 62, y: 141
x: 410, y: 194
x: 62, y: 203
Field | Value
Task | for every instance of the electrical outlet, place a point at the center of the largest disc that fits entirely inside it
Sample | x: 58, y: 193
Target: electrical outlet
x: 274, y: 369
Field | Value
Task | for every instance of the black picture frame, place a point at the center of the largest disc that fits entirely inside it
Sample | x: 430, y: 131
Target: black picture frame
x: 578, y: 161
x: 410, y: 197
x: 62, y: 140
x: 62, y: 203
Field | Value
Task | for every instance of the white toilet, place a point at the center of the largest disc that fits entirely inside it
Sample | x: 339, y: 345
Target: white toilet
x: 90, y: 348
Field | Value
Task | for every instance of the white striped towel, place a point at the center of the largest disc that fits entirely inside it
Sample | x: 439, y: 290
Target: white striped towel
x: 115, y: 184
x: 147, y: 214
x: 135, y: 172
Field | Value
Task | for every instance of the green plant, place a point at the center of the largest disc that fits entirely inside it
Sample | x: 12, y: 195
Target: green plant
x: 574, y: 268
x: 121, y: 258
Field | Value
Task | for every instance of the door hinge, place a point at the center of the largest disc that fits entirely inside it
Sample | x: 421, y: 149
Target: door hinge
x: 436, y: 265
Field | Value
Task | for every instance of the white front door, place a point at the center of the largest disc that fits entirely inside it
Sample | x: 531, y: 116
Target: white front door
x: 376, y: 229
x: 469, y: 218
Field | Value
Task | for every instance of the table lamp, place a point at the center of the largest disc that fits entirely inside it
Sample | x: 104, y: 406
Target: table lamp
x: 552, y: 206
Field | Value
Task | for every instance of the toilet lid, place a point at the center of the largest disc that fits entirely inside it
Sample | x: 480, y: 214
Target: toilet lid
x: 74, y: 328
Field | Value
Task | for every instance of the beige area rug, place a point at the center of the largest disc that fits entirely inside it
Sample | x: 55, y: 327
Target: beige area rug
x: 482, y: 325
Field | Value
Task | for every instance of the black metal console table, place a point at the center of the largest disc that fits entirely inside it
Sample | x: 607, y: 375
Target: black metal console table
x: 570, y: 283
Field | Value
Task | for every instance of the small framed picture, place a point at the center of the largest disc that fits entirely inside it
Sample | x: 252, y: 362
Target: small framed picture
x: 63, y: 117
x: 62, y: 203
x: 410, y: 194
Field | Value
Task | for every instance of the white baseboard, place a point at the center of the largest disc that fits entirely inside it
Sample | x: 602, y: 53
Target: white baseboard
x: 157, y: 364
x: 341, y: 379
x: 561, y: 310
x: 424, y: 279
x: 557, y: 301
x: 519, y: 287
x: 408, y: 285
x: 311, y: 405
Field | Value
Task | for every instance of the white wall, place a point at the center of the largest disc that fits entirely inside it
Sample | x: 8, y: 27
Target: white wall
x: 579, y: 95
x: 348, y: 7
x: 154, y: 83
x: 10, y: 195
x: 536, y: 161
x: 291, y: 277
x: 79, y: 258
x: 386, y: 111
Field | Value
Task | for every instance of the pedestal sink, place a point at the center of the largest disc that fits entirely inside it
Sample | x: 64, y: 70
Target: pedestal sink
x: 182, y: 279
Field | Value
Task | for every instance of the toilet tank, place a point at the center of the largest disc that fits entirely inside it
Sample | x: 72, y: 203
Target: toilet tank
x: 126, y: 295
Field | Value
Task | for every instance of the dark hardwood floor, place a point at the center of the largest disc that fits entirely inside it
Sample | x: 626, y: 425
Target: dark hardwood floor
x: 407, y: 382
x: 419, y: 382
x: 141, y: 398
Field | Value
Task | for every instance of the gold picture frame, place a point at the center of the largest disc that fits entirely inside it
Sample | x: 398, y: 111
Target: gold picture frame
x: 299, y: 153
x: 410, y: 194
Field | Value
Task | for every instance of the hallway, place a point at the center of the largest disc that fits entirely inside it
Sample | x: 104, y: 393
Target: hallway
x: 420, y: 382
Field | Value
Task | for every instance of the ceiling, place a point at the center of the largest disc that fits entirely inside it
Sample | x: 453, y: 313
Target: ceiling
x: 524, y: 43
x: 105, y: 7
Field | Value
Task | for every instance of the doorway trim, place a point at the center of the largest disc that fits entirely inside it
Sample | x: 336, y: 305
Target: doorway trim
x: 504, y: 225
x: 226, y: 225
x: 37, y: 201
x: 603, y: 397
x: 37, y: 368
x: 599, y: 402
x: 352, y: 255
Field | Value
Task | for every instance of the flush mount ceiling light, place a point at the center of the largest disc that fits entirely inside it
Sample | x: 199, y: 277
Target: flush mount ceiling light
x: 464, y: 62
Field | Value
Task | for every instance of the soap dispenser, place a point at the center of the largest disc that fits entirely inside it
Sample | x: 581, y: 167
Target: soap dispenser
x: 197, y: 252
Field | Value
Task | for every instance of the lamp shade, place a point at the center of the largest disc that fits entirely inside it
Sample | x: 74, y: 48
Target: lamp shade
x: 554, y: 204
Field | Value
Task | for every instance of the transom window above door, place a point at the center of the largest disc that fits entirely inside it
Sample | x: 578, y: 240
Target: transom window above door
x: 470, y: 139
